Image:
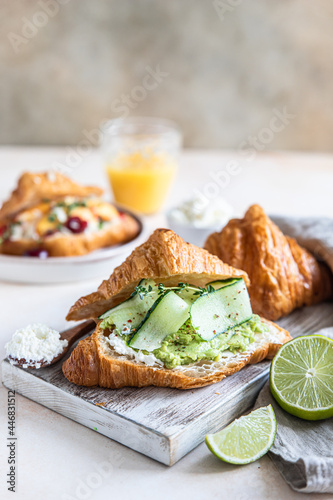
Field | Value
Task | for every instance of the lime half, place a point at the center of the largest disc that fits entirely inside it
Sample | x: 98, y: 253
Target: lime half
x: 246, y: 439
x: 301, y: 377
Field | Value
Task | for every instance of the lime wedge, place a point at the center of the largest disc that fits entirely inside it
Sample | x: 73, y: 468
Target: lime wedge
x: 246, y: 439
x: 301, y: 377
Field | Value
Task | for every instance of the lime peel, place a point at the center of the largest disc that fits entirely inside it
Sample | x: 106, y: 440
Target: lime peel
x: 246, y: 439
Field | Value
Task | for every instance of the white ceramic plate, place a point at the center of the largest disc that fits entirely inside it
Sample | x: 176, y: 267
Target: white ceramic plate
x: 67, y: 269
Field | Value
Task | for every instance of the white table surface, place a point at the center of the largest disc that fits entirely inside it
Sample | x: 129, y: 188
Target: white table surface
x: 59, y: 459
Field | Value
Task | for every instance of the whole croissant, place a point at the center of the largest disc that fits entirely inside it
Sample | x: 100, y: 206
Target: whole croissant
x: 283, y: 275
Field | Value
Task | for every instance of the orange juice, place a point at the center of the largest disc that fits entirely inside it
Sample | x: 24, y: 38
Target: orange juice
x: 141, y: 180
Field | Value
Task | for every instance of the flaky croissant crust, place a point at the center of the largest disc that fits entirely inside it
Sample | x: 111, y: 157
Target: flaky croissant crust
x: 32, y: 188
x: 283, y: 275
x: 164, y: 257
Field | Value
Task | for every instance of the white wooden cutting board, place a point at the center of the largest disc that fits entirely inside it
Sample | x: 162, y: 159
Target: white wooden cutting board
x: 163, y: 424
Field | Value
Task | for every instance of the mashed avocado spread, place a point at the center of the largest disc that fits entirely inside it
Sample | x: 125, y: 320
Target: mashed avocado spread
x: 186, y: 346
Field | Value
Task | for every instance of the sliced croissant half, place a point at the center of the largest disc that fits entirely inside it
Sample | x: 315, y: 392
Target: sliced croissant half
x: 164, y: 257
x: 167, y: 259
x: 283, y: 275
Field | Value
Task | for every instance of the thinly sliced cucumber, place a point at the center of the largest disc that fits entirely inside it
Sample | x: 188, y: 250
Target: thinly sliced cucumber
x: 215, y: 312
x: 189, y: 294
x: 130, y: 313
x: 166, y: 316
x: 221, y: 283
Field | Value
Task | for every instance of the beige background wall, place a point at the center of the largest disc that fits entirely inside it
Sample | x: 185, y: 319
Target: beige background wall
x: 226, y: 65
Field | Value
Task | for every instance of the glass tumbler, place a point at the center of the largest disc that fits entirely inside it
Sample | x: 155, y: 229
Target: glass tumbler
x: 141, y: 158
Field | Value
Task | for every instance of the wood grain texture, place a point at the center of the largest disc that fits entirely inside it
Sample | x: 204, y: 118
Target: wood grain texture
x: 161, y: 423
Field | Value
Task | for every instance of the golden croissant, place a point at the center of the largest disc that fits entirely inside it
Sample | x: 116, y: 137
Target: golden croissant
x: 168, y: 259
x: 283, y: 275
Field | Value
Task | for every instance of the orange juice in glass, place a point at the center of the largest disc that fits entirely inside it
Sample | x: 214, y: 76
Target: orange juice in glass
x: 141, y: 157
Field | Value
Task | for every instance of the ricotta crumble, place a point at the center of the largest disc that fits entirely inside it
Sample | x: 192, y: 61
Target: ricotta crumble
x: 35, y: 343
x: 118, y: 344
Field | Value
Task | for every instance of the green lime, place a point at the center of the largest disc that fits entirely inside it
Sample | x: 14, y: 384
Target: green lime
x: 246, y: 439
x: 301, y: 377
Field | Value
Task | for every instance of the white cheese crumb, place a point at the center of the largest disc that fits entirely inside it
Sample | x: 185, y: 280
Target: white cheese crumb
x: 17, y: 232
x: 25, y: 230
x: 60, y: 213
x: 35, y: 343
x: 121, y: 348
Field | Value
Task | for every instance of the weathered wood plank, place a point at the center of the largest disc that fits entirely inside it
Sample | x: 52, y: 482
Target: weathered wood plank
x: 162, y: 423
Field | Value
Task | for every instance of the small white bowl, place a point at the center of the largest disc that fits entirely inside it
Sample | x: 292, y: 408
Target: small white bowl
x: 192, y: 234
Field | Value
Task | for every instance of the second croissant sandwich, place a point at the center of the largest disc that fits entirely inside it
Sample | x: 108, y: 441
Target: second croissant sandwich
x: 172, y: 315
x: 50, y: 215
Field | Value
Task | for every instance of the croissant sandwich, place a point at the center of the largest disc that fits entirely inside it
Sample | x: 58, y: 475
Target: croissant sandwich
x: 283, y: 275
x: 172, y: 315
x: 50, y: 215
